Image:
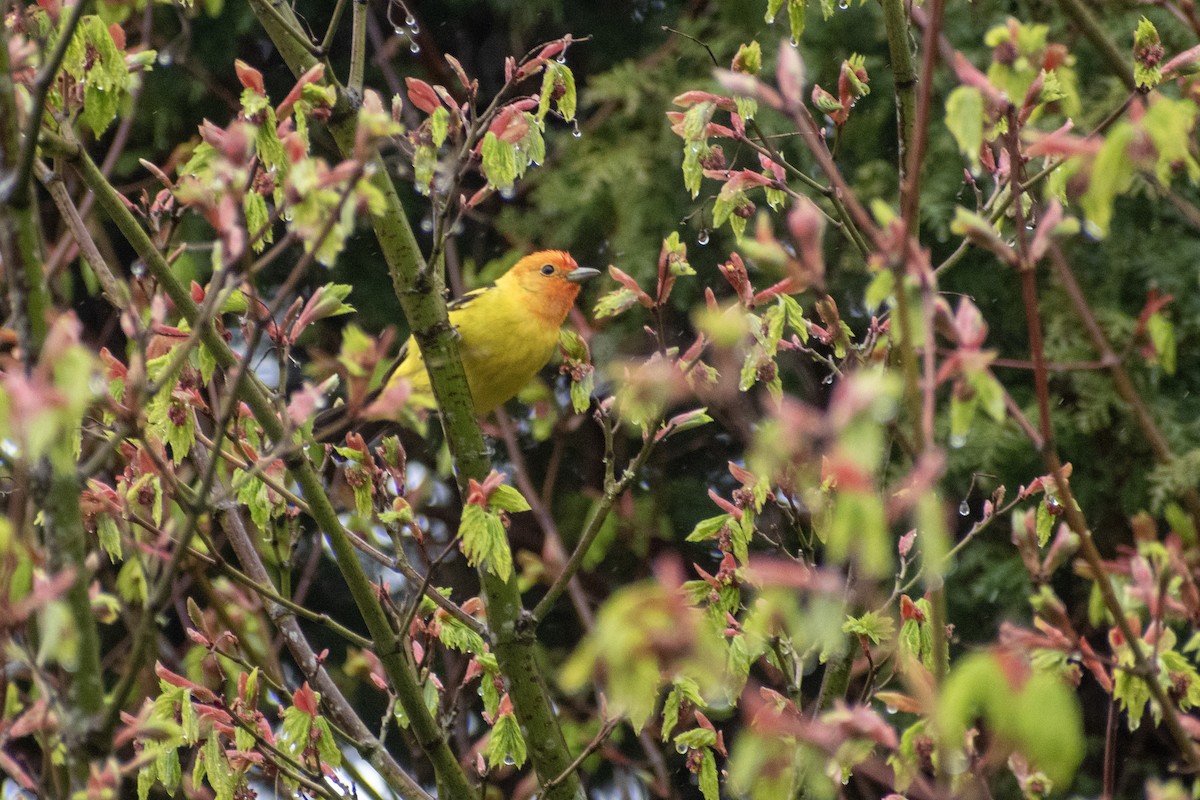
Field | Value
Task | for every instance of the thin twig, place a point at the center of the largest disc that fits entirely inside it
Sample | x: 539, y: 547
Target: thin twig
x: 613, y: 489
x: 41, y: 90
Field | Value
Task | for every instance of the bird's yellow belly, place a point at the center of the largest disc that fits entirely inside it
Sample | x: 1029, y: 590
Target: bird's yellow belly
x: 497, y: 368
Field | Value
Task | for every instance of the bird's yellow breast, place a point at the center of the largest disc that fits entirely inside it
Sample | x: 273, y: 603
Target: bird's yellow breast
x: 503, y: 346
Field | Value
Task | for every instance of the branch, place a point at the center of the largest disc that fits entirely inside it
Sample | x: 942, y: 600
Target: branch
x: 18, y: 190
x: 426, y: 730
x: 612, y: 490
x: 1146, y: 671
x: 420, y: 290
x: 904, y: 76
x: 20, y: 241
x: 1118, y: 62
x: 297, y: 644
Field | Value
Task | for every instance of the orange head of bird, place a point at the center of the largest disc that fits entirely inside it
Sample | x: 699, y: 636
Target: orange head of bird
x: 550, y: 279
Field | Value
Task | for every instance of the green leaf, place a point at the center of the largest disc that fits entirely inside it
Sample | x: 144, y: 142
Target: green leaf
x: 457, y: 636
x: 105, y: 76
x: 506, y: 745
x: 684, y: 689
x: 484, y: 541
x: 327, y: 748
x: 1162, y: 336
x: 859, y: 526
x: 795, y: 9
x: 962, y: 412
x: 109, y: 535
x: 581, y: 392
x: 254, y: 205
x: 131, y: 582
x: 615, y: 302
x: 709, y: 786
x: 499, y: 162
x: 709, y: 528
x: 875, y: 626
x: 697, y: 738
x: 439, y: 126
x: 180, y: 437
x: 508, y: 498
x: 1111, y: 174
x: 424, y: 165
x: 1045, y: 524
x: 1040, y: 719
x: 557, y: 79
x: 964, y: 118
x: 1147, y: 55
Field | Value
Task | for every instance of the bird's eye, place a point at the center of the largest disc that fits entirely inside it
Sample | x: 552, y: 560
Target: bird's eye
x: 548, y: 269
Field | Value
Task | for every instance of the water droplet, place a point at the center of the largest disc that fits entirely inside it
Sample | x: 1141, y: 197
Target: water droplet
x: 396, y: 29
x: 795, y: 42
x: 165, y: 58
x: 409, y: 19
x: 681, y: 748
x: 843, y: 4
x: 427, y: 224
x: 509, y: 760
x: 508, y: 193
x: 890, y: 709
x: 828, y: 379
x: 138, y: 269
x: 702, y: 237
x: 964, y: 509
x: 562, y: 58
x: 414, y: 48
x: 575, y: 130
x: 958, y: 441
x: 414, y: 29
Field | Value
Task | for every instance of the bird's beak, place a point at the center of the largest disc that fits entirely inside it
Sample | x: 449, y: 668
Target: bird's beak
x: 581, y: 274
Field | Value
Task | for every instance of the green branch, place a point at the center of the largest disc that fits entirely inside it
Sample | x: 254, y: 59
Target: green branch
x: 451, y: 778
x: 420, y: 291
x: 904, y: 75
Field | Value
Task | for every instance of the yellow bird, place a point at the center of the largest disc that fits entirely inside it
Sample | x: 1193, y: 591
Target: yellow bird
x: 507, y: 332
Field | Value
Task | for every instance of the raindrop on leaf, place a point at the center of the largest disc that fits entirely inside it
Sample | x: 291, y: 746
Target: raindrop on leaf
x: 702, y: 237
x: 964, y: 509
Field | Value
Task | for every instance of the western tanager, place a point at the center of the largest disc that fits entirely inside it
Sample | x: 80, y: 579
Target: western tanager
x: 508, y: 331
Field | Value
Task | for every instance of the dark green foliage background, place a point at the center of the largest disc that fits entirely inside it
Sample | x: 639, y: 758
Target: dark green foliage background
x: 611, y: 196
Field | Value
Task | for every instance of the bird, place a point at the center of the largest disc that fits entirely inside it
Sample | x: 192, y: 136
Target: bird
x: 507, y: 332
